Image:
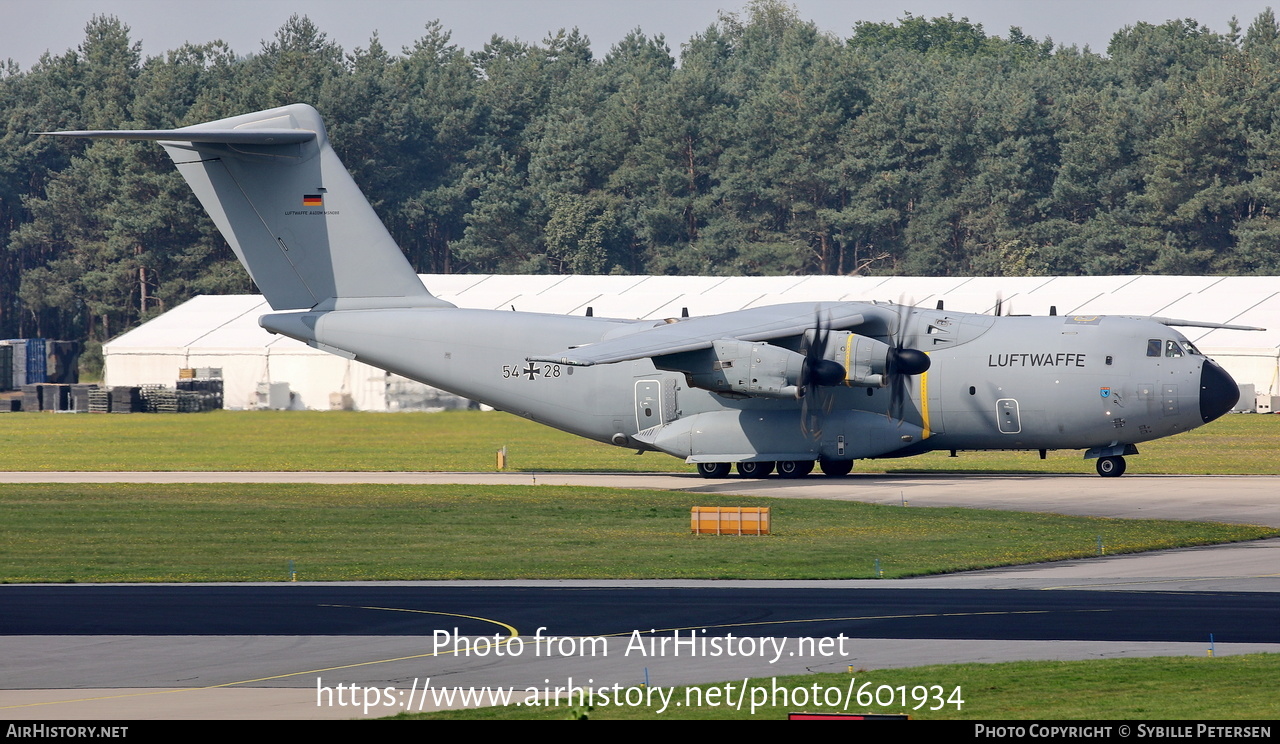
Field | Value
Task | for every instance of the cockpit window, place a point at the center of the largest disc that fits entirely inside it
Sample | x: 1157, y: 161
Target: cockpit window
x: 1171, y: 349
x: 1153, y: 347
x: 1191, y: 349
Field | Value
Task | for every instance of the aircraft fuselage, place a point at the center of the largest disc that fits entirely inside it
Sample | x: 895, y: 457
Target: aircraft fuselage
x: 994, y: 383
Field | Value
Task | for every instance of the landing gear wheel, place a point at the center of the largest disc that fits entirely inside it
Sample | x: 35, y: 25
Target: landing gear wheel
x: 755, y: 469
x: 835, y: 468
x: 713, y: 469
x: 1111, y: 467
x: 795, y: 468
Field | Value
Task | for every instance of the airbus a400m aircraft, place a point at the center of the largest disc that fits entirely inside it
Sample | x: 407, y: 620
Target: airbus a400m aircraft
x: 781, y: 387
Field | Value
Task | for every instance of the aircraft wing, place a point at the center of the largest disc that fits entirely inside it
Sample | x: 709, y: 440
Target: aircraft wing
x: 1202, y: 324
x: 755, y: 324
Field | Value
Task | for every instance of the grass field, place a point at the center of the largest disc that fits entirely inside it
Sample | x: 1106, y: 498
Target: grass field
x: 1236, y: 688
x: 468, y: 441
x: 251, y: 532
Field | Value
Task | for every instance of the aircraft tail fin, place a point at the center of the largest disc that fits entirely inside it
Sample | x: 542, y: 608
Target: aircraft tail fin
x: 290, y: 210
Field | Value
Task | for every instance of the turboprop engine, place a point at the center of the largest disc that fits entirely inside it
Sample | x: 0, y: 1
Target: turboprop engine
x: 758, y: 369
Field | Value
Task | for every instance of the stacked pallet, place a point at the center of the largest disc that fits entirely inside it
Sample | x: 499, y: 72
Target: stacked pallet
x: 159, y: 399
x: 99, y: 400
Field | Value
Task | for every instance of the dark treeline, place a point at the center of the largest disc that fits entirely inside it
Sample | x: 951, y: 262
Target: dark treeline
x: 921, y: 147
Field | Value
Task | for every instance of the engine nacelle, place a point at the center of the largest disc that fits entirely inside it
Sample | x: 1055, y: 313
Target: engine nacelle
x: 758, y: 369
x: 740, y: 367
x: 865, y: 360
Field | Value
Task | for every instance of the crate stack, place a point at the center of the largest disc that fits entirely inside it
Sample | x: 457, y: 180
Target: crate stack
x: 80, y: 396
x: 189, y: 402
x: 55, y: 397
x: 206, y: 383
x: 31, y: 397
x: 6, y: 367
x: 46, y: 397
x: 126, y: 399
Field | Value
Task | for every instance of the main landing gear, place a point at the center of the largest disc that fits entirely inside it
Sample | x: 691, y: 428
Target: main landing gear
x: 784, y: 468
x: 795, y: 468
x: 755, y: 469
x: 713, y: 469
x: 1111, y: 467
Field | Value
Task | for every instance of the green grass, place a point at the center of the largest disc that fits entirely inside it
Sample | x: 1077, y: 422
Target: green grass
x: 250, y: 532
x: 468, y: 441
x: 1163, y: 688
x: 303, y: 440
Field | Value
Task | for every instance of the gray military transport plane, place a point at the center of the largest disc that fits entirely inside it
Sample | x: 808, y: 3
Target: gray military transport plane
x: 767, y: 388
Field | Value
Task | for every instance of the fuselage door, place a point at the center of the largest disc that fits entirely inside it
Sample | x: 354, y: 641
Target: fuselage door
x: 648, y: 404
x: 1007, y: 416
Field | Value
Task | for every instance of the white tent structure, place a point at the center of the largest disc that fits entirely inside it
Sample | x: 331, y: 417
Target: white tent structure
x: 223, y: 332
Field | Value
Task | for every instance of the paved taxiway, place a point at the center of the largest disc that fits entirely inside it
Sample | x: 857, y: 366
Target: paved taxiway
x: 147, y: 642
x: 1247, y: 499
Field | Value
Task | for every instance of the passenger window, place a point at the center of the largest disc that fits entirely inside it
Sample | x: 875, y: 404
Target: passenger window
x: 1153, y: 347
x: 1171, y: 349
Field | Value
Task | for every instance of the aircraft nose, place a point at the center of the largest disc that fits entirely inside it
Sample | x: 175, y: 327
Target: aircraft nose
x: 1218, y: 392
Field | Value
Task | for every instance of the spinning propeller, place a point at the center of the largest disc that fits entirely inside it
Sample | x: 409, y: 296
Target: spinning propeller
x: 901, y: 363
x: 817, y: 371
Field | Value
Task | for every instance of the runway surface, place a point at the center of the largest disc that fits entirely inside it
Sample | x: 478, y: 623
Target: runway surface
x: 143, y: 651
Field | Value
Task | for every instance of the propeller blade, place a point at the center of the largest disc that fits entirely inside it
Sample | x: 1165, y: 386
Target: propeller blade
x: 817, y: 372
x: 902, y: 364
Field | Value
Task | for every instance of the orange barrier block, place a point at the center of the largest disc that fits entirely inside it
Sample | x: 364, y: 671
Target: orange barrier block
x: 729, y: 520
